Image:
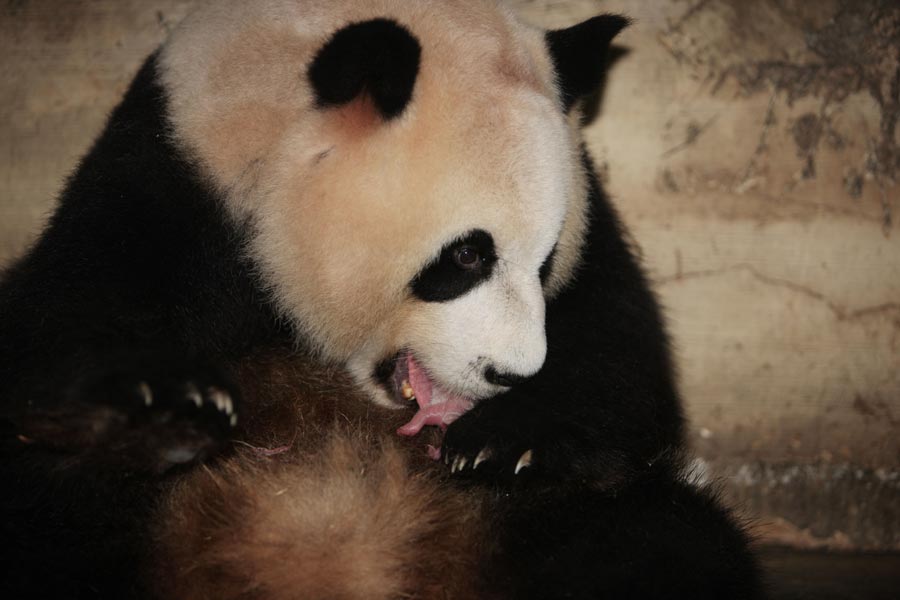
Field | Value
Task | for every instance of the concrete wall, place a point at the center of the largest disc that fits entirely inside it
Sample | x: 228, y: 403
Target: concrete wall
x: 752, y: 148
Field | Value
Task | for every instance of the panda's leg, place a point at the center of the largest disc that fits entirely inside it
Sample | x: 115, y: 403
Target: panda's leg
x: 71, y: 527
x: 604, y: 406
x: 102, y: 401
x: 660, y: 538
x: 85, y: 461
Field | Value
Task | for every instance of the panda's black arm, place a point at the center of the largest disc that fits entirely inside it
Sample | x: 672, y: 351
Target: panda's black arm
x: 137, y: 286
x: 129, y: 307
x: 604, y: 405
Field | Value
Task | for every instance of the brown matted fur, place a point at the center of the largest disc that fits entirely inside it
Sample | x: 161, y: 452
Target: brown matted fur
x: 319, y: 500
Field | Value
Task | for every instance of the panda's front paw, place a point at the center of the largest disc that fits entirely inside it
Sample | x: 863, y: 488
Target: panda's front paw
x: 495, y: 443
x: 487, y: 444
x: 164, y: 418
x: 201, y: 400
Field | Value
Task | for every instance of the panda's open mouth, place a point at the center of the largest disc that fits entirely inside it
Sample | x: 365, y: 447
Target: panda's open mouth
x: 409, y: 382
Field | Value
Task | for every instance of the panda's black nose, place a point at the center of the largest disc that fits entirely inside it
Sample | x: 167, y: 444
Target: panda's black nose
x: 504, y: 379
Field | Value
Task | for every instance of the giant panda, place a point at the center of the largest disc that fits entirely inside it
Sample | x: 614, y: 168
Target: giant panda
x: 335, y: 307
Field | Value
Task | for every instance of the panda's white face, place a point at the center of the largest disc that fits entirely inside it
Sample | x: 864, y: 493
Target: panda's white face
x: 408, y: 248
x: 472, y: 315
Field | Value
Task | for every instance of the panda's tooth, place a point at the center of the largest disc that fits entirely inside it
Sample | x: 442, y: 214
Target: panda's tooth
x: 406, y: 390
x: 146, y: 393
x: 524, y: 461
x: 220, y: 398
x: 194, y: 395
x: 482, y: 456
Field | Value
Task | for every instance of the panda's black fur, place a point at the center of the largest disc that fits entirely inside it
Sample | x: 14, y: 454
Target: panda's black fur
x: 137, y: 277
x: 140, y: 284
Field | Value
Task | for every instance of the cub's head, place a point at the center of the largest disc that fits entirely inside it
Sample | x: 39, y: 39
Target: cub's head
x: 409, y: 173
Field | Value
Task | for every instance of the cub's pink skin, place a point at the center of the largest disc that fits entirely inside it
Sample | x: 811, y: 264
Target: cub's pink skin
x: 436, y: 405
x: 433, y: 453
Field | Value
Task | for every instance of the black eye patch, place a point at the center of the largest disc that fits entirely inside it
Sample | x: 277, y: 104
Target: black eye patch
x: 462, y: 265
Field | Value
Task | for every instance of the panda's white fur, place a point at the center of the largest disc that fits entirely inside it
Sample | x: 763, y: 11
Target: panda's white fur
x: 482, y: 145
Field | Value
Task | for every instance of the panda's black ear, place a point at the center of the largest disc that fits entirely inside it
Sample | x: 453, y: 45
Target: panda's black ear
x: 579, y: 55
x: 379, y: 58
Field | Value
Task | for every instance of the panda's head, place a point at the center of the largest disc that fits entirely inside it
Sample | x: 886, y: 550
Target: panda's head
x: 409, y: 172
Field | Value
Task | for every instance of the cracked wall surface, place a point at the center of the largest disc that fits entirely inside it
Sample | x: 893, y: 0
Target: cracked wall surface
x: 753, y: 150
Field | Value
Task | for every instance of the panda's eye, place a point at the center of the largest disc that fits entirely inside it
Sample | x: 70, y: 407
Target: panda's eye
x: 463, y: 264
x: 466, y: 257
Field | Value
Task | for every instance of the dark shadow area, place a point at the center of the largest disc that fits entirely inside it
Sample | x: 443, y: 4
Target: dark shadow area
x: 804, y: 575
